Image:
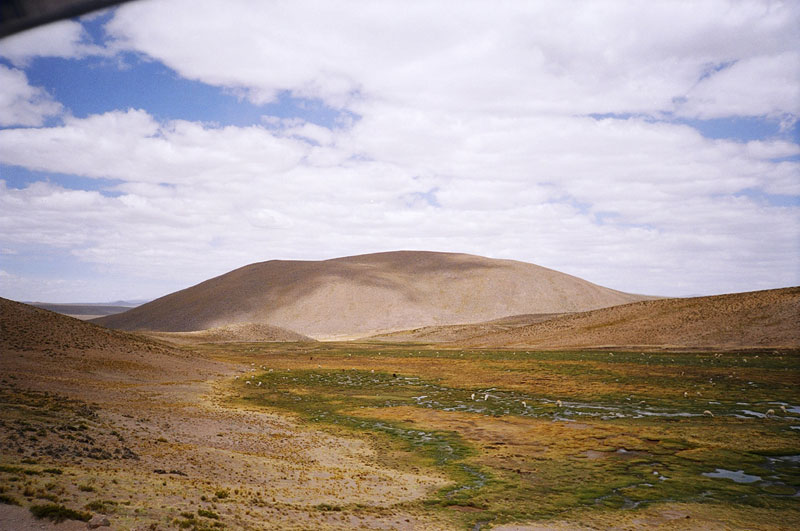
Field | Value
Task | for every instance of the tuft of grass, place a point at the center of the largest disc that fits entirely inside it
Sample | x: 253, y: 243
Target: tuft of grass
x: 8, y: 500
x: 328, y: 507
x: 222, y: 494
x: 208, y: 514
x: 11, y: 469
x: 58, y: 513
x: 101, y: 506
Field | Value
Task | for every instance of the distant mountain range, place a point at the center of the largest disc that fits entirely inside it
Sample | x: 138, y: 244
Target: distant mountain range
x: 87, y: 310
x: 366, y: 294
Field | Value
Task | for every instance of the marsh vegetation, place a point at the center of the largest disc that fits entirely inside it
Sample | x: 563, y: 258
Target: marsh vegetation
x: 349, y: 435
x: 525, y: 435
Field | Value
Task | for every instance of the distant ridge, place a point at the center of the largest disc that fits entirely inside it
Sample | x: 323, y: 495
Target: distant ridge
x: 84, y: 310
x: 247, y: 332
x: 757, y: 319
x: 25, y: 327
x: 364, y: 294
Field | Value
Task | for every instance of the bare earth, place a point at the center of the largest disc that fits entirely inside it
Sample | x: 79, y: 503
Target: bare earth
x: 172, y: 443
x: 361, y: 295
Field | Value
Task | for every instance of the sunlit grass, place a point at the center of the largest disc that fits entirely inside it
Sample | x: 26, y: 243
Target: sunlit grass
x: 596, y: 430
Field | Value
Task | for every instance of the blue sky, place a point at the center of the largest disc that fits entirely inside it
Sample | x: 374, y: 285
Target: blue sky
x: 158, y: 144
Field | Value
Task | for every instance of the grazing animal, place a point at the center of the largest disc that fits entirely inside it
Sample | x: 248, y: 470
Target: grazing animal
x: 708, y: 413
x: 248, y: 382
x: 473, y: 396
x: 770, y: 412
x: 686, y: 394
x: 524, y: 405
x: 558, y: 403
x: 783, y: 408
x: 486, y: 396
x: 235, y: 377
x: 259, y: 384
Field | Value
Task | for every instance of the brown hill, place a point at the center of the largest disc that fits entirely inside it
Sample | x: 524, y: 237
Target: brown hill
x: 25, y: 327
x: 247, y: 332
x: 49, y: 345
x: 455, y: 333
x: 768, y: 318
x: 365, y: 294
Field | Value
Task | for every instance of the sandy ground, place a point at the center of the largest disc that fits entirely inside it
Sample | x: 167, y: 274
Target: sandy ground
x: 191, y: 451
x: 188, y: 445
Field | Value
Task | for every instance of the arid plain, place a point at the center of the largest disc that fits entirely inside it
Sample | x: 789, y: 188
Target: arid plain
x: 404, y: 391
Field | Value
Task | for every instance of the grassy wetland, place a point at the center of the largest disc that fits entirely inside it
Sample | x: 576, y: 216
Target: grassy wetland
x: 527, y: 436
x: 402, y: 436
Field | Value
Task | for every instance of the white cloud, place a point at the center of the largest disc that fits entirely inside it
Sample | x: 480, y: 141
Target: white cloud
x: 21, y: 103
x: 503, y: 57
x: 755, y: 86
x: 66, y: 39
x: 198, y: 201
x: 472, y: 135
x: 132, y: 146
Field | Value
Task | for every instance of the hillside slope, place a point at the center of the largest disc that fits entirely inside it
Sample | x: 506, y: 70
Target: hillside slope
x: 461, y: 332
x: 768, y: 318
x: 51, y: 346
x: 247, y: 332
x: 369, y: 293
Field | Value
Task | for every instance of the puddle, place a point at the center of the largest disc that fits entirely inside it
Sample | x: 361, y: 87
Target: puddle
x: 739, y: 476
x: 785, y: 459
x: 620, y: 501
x: 747, y: 413
x: 477, y: 479
x: 594, y: 454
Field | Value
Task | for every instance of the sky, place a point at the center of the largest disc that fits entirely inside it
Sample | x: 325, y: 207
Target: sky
x: 651, y: 147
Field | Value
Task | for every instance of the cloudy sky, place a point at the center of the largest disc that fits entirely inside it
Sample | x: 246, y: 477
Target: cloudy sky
x: 652, y: 147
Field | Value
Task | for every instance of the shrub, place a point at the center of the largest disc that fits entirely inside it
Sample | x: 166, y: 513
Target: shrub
x: 8, y: 500
x: 208, y: 514
x: 328, y: 507
x: 58, y: 513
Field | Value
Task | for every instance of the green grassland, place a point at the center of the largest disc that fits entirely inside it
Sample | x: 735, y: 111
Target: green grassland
x: 526, y: 435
